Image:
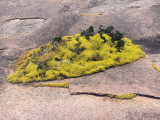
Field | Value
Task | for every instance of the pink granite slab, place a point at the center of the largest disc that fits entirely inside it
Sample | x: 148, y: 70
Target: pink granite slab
x: 137, y: 77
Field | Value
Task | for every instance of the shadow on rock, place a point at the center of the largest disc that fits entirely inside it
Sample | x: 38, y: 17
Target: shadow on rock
x: 150, y: 45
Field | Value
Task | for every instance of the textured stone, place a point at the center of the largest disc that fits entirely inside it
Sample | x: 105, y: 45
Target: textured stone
x: 27, y: 24
x: 138, y: 77
x: 25, y: 102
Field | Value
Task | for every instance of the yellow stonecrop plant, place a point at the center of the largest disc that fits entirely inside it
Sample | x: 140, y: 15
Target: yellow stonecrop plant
x: 155, y: 67
x: 124, y: 97
x: 63, y: 85
x: 74, y: 56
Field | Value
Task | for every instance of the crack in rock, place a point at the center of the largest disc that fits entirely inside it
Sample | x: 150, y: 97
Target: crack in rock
x: 105, y: 95
x: 26, y: 18
x: 3, y: 49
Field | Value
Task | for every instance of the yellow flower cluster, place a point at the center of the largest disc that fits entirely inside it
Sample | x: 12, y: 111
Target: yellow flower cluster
x: 74, y: 56
x: 128, y: 96
x: 64, y: 85
x: 155, y: 67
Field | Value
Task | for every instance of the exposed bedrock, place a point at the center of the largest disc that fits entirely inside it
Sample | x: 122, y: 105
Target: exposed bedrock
x: 27, y: 24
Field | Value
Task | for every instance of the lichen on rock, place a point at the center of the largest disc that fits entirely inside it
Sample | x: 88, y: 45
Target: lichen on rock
x: 74, y: 56
x: 155, y: 67
x: 63, y: 85
x: 123, y: 97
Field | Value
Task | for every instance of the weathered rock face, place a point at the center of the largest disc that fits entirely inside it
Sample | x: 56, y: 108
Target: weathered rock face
x: 138, y: 77
x: 135, y: 19
x: 26, y: 24
x: 29, y: 24
x: 22, y: 103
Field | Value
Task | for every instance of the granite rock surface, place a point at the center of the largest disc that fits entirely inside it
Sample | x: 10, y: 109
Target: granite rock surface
x: 27, y: 24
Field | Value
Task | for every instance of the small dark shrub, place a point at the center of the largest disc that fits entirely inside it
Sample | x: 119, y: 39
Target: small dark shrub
x: 116, y: 36
x: 88, y: 32
x: 120, y: 44
x: 57, y: 39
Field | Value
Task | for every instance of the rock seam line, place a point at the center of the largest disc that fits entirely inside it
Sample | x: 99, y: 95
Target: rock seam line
x: 105, y: 95
x: 26, y: 18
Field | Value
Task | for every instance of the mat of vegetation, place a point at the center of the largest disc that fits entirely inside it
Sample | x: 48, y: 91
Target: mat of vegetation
x: 74, y: 56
